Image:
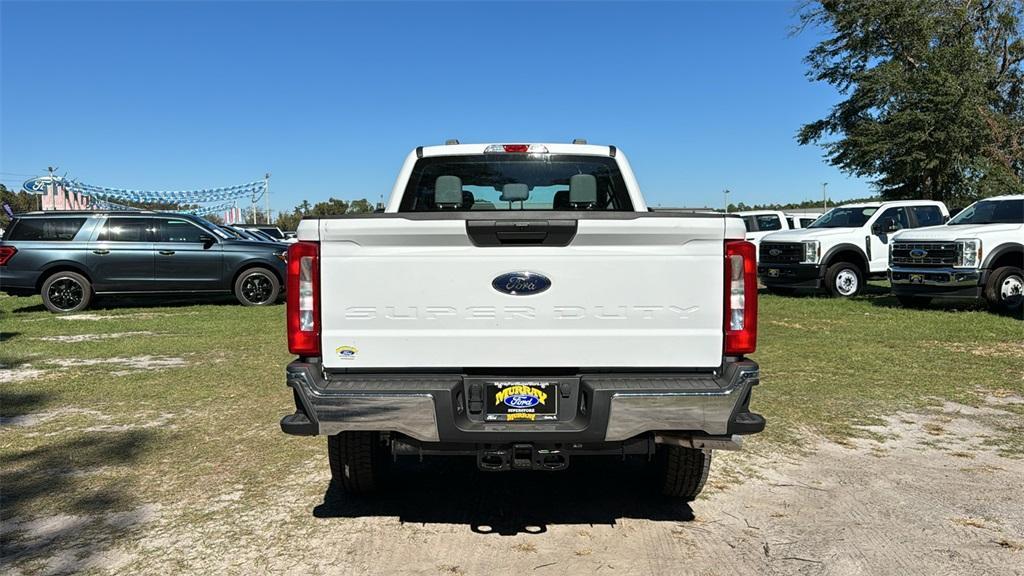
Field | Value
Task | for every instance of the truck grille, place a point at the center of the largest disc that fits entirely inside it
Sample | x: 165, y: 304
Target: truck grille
x: 781, y: 253
x: 924, y: 254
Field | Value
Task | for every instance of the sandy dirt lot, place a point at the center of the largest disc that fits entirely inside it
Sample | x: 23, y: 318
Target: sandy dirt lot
x: 926, y: 496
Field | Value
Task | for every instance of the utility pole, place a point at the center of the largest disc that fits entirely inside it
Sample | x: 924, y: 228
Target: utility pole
x: 266, y: 191
x: 725, y: 194
x: 824, y: 194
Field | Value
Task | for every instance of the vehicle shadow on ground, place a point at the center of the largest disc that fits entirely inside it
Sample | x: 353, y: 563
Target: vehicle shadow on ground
x: 890, y: 301
x: 54, y: 499
x: 452, y: 491
x: 144, y: 301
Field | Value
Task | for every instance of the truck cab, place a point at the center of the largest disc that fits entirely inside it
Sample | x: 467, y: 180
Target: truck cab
x: 519, y: 304
x: 979, y: 255
x: 843, y: 248
x: 760, y: 223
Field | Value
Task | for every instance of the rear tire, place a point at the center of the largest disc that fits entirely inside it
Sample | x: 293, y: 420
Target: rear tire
x: 257, y: 287
x: 682, y: 472
x: 66, y: 292
x: 844, y: 280
x: 1004, y: 290
x: 914, y: 301
x: 359, y: 461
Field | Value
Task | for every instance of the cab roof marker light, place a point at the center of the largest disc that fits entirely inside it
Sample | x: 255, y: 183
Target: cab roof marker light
x: 516, y: 149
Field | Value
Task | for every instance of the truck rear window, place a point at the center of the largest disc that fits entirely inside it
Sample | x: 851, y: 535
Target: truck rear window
x: 516, y: 182
x: 45, y: 229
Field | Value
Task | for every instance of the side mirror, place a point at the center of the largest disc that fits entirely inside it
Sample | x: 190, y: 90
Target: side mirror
x: 884, y: 226
x: 207, y: 240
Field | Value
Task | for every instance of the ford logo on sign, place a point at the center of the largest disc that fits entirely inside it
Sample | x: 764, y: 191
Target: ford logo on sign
x: 521, y: 401
x: 918, y: 253
x: 521, y: 283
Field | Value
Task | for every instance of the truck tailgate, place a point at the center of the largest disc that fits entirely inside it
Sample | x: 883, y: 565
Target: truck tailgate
x: 625, y: 293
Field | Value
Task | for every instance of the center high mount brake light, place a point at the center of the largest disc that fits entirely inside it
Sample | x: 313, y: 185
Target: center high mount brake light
x: 516, y: 149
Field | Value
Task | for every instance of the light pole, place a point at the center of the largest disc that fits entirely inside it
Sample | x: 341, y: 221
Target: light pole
x: 266, y: 190
x: 725, y: 195
x: 824, y: 194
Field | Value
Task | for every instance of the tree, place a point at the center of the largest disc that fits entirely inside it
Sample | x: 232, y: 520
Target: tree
x: 332, y: 207
x: 361, y: 206
x: 934, y: 95
x: 19, y: 201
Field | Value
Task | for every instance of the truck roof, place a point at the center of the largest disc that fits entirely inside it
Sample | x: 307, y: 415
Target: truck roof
x: 891, y: 203
x: 552, y: 148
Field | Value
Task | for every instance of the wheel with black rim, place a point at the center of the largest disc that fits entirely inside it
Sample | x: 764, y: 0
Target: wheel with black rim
x: 1004, y: 290
x: 66, y: 292
x: 844, y: 280
x: 257, y: 287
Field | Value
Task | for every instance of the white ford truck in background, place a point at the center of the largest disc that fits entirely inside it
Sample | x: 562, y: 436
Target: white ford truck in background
x: 519, y: 303
x: 761, y: 223
x: 979, y: 254
x: 842, y: 248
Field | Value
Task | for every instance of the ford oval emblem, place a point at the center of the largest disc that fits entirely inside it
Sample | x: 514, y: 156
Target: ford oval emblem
x: 521, y: 401
x: 775, y: 251
x: 521, y: 283
x: 918, y: 253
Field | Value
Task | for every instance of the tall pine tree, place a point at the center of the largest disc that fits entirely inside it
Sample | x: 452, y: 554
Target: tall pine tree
x: 934, y: 94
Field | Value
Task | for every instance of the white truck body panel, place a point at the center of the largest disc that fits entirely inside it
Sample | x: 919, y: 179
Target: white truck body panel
x: 639, y: 292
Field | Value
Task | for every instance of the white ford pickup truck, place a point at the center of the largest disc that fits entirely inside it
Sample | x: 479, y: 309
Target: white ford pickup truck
x: 978, y: 254
x: 519, y: 303
x: 843, y: 248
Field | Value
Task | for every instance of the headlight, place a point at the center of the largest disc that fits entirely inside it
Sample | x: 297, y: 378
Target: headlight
x: 812, y: 251
x: 968, y: 253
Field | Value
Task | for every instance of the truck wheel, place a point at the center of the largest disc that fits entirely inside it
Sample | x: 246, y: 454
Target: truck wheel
x: 257, y: 287
x: 914, y: 301
x: 66, y: 292
x: 1005, y: 289
x: 844, y: 280
x: 358, y: 461
x: 682, y: 472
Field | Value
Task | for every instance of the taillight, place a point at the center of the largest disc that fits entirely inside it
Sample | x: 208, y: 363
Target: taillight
x: 740, y: 297
x: 6, y: 252
x: 303, y: 309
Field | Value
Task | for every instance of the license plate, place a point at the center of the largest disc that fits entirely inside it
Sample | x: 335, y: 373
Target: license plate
x: 509, y: 401
x: 773, y: 272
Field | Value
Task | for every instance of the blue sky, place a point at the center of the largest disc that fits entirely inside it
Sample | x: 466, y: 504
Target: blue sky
x: 330, y: 97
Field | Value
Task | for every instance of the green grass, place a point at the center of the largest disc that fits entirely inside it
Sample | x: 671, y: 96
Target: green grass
x: 179, y: 436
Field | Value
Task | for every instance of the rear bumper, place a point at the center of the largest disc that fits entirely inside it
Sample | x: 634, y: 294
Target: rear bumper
x: 600, y: 407
x: 790, y: 275
x: 937, y: 282
x: 18, y: 282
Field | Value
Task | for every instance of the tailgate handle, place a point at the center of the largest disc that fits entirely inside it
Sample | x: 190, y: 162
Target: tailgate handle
x: 521, y: 232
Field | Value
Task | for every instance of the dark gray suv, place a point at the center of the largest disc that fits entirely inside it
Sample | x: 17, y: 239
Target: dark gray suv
x: 67, y: 257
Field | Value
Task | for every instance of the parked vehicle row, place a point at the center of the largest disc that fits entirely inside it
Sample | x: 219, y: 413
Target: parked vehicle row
x: 67, y: 257
x: 925, y: 255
